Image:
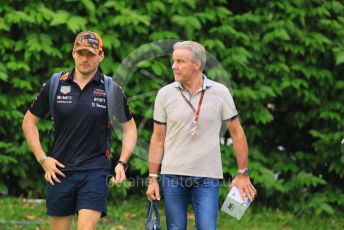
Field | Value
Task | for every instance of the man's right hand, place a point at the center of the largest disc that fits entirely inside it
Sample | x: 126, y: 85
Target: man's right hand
x: 50, y: 168
x: 153, y: 190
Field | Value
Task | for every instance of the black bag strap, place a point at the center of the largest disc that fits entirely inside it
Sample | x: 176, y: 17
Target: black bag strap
x: 153, y: 211
x: 54, y: 83
x: 111, y: 90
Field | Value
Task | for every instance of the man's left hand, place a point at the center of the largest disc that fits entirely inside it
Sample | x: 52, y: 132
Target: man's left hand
x: 119, y: 176
x: 243, y: 183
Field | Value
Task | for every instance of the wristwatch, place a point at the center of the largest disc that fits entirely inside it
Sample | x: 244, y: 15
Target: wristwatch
x: 125, y: 166
x: 244, y: 172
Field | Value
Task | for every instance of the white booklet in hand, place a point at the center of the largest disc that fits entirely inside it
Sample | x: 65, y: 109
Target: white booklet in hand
x: 234, y: 205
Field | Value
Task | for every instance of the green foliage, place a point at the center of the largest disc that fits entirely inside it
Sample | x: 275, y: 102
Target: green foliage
x: 284, y: 61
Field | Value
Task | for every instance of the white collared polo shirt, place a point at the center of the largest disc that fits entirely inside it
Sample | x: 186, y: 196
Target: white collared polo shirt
x: 197, y: 155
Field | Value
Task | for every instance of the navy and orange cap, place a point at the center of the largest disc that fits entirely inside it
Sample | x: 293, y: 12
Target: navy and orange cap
x: 88, y: 40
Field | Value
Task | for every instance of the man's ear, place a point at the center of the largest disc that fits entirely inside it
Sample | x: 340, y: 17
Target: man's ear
x: 198, y: 65
x: 101, y: 56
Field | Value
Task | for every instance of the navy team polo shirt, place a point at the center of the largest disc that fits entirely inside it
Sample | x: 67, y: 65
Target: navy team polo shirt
x: 81, y: 126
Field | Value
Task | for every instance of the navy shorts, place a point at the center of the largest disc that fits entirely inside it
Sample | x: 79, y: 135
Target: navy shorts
x: 78, y: 190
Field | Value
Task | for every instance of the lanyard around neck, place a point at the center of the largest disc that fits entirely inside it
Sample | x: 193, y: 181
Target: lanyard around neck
x: 191, y: 106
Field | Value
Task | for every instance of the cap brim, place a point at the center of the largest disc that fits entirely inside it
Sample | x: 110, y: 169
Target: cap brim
x: 92, y: 50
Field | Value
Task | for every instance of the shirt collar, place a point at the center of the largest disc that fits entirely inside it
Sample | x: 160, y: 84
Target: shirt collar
x: 70, y: 75
x: 206, y: 84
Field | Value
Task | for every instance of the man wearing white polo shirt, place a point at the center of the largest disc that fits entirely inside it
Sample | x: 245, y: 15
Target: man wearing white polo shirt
x: 186, y: 141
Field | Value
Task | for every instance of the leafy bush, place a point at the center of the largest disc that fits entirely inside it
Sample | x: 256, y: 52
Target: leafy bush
x: 284, y: 60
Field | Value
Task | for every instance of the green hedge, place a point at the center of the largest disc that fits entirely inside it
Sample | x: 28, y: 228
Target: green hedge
x: 284, y: 61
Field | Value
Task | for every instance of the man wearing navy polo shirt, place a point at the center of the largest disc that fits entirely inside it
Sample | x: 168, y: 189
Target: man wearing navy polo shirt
x: 78, y: 162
